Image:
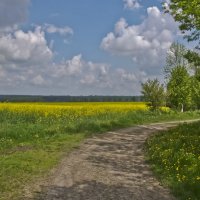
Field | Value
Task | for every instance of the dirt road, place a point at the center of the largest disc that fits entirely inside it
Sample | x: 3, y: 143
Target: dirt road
x: 107, y: 167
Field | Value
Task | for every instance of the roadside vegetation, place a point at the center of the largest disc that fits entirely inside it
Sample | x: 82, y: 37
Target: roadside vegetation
x: 34, y: 137
x: 175, y: 159
x: 174, y: 154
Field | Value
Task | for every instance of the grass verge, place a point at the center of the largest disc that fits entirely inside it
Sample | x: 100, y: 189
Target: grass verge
x: 175, y: 159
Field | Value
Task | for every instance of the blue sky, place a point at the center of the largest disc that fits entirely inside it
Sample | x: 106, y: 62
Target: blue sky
x: 74, y: 47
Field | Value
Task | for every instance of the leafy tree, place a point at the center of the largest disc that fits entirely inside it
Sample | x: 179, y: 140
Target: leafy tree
x: 178, y: 88
x: 178, y: 56
x: 175, y: 57
x: 195, y: 88
x: 187, y: 13
x: 154, y: 93
x: 193, y: 58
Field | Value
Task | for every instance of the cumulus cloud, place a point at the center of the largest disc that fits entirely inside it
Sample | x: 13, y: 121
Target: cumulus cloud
x: 126, y: 75
x: 78, y: 67
x: 96, y: 74
x: 87, y: 77
x: 23, y: 57
x: 50, y: 28
x: 131, y: 4
x: 38, y: 80
x: 22, y: 48
x: 73, y: 76
x: 147, y: 42
x: 12, y: 13
x: 71, y: 67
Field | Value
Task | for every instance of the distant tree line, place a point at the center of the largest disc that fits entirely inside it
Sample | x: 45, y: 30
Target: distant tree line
x: 34, y: 98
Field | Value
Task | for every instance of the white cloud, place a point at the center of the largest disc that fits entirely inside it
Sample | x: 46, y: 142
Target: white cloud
x: 83, y: 72
x: 120, y: 27
x: 96, y: 78
x: 38, y: 80
x: 12, y: 13
x: 24, y: 48
x: 2, y: 73
x: 96, y: 73
x: 74, y: 76
x: 50, y: 28
x: 126, y: 75
x: 23, y: 56
x: 75, y: 65
x: 88, y: 79
x: 131, y: 4
x: 147, y: 42
x: 72, y: 67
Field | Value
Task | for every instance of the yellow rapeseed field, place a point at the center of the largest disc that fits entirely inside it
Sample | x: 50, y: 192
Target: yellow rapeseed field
x: 74, y: 110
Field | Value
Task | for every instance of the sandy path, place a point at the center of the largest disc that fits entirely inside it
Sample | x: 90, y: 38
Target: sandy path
x: 107, y: 167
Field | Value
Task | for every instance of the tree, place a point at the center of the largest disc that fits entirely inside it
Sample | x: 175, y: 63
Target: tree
x: 154, y: 93
x: 175, y: 57
x: 193, y: 58
x: 187, y: 13
x: 195, y: 88
x: 179, y: 89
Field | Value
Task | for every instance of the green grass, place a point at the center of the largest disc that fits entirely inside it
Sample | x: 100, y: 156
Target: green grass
x: 28, y: 160
x: 175, y: 159
x: 32, y: 144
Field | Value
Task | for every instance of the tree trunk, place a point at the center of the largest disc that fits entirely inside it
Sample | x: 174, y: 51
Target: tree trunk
x: 181, y: 107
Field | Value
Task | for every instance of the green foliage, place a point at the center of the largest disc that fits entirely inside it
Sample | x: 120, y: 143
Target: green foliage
x: 178, y: 89
x: 187, y: 13
x: 175, y: 57
x: 175, y: 158
x: 195, y: 89
x: 183, y: 90
x: 154, y: 93
x: 194, y: 58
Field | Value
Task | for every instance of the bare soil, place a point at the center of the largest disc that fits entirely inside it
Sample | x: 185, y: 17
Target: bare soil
x: 110, y: 166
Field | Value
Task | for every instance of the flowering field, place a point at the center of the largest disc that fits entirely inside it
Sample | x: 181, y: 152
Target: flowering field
x: 65, y: 117
x: 33, y: 112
